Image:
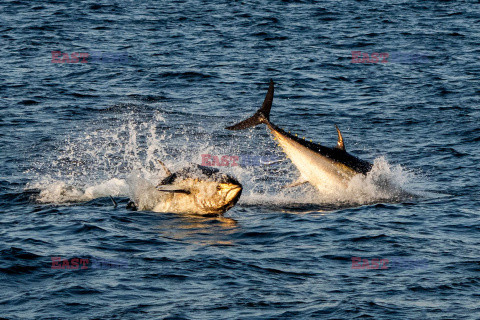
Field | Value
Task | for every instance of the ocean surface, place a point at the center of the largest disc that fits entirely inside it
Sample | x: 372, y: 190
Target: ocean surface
x: 94, y: 92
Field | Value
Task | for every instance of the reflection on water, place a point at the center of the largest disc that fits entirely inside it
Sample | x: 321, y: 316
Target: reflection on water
x: 196, y: 229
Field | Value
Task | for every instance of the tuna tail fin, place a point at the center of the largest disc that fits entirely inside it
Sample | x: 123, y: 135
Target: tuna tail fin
x: 261, y: 116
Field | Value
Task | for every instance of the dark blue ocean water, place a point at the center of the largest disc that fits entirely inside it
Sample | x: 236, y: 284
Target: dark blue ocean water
x: 162, y: 80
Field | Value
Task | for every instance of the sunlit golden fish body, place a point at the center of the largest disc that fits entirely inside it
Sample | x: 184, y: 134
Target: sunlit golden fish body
x: 192, y: 190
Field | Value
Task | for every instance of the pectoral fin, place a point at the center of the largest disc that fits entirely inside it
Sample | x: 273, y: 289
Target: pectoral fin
x: 171, y: 188
x: 300, y: 181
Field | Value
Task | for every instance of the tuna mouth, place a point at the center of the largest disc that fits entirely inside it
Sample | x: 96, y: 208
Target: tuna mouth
x: 233, y: 194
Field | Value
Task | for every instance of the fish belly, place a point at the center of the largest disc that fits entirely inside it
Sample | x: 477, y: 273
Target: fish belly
x: 178, y: 203
x: 326, y: 175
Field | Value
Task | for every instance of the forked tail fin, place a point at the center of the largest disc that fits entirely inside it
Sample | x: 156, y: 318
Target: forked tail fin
x: 261, y: 116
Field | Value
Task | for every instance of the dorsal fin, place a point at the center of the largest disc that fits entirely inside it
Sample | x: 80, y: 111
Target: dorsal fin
x: 340, y: 144
x: 167, y: 171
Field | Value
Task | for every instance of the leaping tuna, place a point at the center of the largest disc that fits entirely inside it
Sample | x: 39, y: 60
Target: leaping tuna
x: 193, y: 190
x: 327, y: 169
